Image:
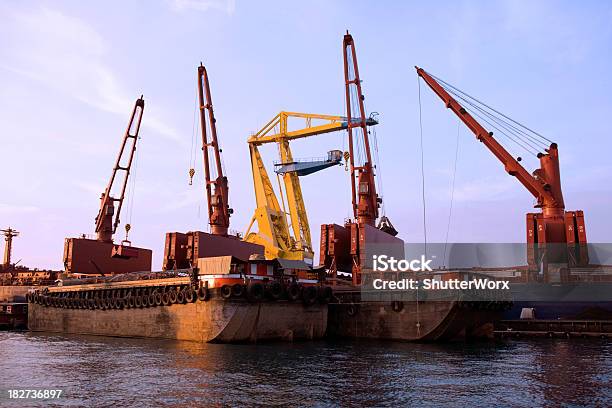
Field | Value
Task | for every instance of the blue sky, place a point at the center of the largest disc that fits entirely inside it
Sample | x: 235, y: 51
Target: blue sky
x: 70, y: 72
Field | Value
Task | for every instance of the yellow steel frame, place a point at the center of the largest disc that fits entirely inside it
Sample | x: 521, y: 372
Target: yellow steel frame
x: 273, y: 230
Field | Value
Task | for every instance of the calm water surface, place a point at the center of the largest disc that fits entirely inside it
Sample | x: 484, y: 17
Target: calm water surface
x: 98, y: 371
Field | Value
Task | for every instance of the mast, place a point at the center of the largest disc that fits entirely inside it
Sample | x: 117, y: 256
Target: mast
x: 363, y: 188
x: 107, y: 219
x: 9, y: 234
x: 217, y: 199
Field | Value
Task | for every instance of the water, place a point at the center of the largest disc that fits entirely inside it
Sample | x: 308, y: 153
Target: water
x: 98, y: 371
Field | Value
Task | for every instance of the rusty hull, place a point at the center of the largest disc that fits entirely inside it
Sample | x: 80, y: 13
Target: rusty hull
x: 412, y: 321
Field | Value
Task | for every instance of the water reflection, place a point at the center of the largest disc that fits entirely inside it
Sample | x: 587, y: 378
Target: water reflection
x: 97, y: 371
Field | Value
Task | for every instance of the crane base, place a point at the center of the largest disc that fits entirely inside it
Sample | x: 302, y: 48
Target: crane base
x: 89, y: 256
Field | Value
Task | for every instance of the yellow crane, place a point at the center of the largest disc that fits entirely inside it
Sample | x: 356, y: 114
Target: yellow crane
x: 279, y: 238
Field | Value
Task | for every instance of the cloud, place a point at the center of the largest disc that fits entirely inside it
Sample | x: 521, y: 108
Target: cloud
x: 182, y: 200
x: 68, y: 55
x: 228, y: 6
x: 549, y: 30
x: 485, y: 189
x: 17, y: 209
x: 464, y: 36
x: 91, y: 188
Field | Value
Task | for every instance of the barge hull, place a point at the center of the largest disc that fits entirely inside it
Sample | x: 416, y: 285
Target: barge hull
x: 422, y: 321
x: 216, y: 320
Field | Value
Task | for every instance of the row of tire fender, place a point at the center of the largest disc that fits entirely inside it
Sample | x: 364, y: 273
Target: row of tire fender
x: 352, y: 309
x: 484, y: 305
x: 397, y: 306
x: 256, y: 292
x: 133, y: 299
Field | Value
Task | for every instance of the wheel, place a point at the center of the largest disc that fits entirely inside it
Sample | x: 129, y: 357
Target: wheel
x: 351, y: 310
x: 137, y: 301
x: 226, y: 291
x: 274, y: 290
x: 237, y: 290
x: 293, y: 291
x: 309, y: 295
x: 203, y: 294
x: 397, y: 306
x: 255, y: 292
x: 325, y: 294
x: 190, y: 295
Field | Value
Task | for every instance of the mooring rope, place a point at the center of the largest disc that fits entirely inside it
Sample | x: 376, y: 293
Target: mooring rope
x: 450, y: 210
x: 422, y: 169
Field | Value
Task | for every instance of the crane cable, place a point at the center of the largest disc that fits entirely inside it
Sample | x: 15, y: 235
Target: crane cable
x: 131, y: 192
x: 360, y: 149
x: 192, y: 154
x: 450, y: 210
x: 492, y: 109
x: 529, y: 140
x: 379, y: 173
x: 422, y: 169
x: 376, y: 165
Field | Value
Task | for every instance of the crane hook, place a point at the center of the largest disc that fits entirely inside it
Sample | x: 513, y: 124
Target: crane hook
x: 191, y: 173
x: 347, y: 156
x: 128, y: 227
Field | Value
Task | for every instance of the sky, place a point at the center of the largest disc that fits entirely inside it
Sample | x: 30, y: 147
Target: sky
x: 70, y: 72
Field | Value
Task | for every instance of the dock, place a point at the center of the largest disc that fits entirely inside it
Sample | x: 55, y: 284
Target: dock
x: 554, y: 328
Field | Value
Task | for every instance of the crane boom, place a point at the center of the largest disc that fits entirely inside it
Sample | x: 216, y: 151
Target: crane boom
x: 363, y: 188
x: 218, y: 207
x: 553, y: 225
x: 549, y: 198
x: 107, y: 219
x: 273, y: 229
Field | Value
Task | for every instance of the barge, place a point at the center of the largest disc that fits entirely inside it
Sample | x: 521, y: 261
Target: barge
x: 13, y: 315
x: 506, y: 329
x: 221, y: 302
x: 415, y: 316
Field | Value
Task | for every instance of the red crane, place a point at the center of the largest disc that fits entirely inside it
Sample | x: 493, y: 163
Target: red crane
x: 344, y: 248
x: 182, y: 250
x: 553, y: 225
x: 107, y: 219
x: 218, y: 207
x: 364, y: 198
x: 101, y: 256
